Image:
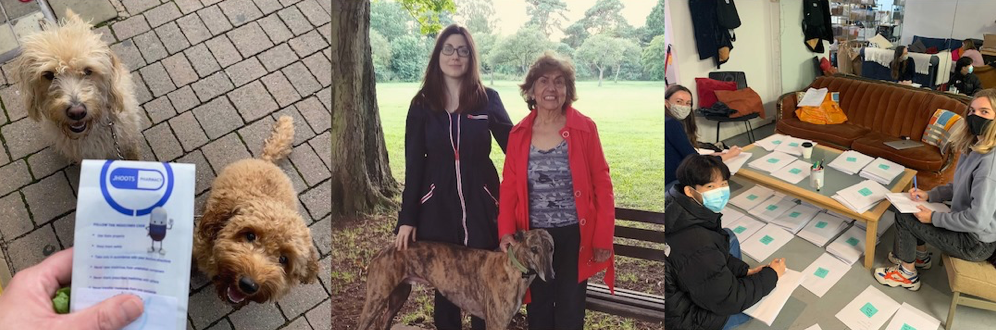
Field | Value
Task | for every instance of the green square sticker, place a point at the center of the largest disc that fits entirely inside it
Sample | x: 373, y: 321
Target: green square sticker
x: 852, y: 241
x: 740, y: 230
x: 772, y: 160
x: 883, y: 166
x: 776, y: 142
x: 852, y: 159
x: 795, y: 171
x: 795, y: 214
x: 821, y: 224
x: 907, y: 327
x: 752, y: 197
x: 865, y: 192
x: 869, y: 310
x: 772, y: 207
x: 767, y: 239
x: 793, y: 144
x: 821, y: 272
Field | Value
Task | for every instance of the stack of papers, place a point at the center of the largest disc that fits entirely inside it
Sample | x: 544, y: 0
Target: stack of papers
x: 752, y: 197
x: 905, y: 204
x: 735, y: 163
x: 850, y: 162
x: 888, y: 218
x: 772, y: 208
x: 862, y: 196
x: 772, y: 162
x: 823, y: 228
x: 792, y: 146
x: 869, y: 310
x: 745, y: 227
x: 813, y: 97
x: 849, y: 246
x: 771, y: 142
x: 795, y: 218
x: 730, y: 214
x: 911, y: 318
x: 794, y: 173
x: 767, y: 309
x: 765, y: 242
x: 823, y: 273
x: 882, y: 171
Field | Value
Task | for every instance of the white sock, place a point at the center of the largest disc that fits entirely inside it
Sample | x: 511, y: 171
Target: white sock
x: 921, y: 254
x: 907, y: 271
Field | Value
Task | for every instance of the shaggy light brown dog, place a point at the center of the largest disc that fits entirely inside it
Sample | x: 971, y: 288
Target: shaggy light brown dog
x: 251, y: 241
x: 79, y: 92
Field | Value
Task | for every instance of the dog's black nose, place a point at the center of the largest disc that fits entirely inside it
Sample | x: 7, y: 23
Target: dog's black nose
x: 247, y: 285
x: 76, y: 111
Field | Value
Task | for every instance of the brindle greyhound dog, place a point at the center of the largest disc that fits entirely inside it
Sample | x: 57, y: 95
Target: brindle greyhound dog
x: 486, y: 284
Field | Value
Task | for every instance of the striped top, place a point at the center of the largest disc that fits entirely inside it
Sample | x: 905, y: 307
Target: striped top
x: 551, y: 198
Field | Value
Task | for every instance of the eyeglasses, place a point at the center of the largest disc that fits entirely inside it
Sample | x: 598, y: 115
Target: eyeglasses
x: 461, y: 51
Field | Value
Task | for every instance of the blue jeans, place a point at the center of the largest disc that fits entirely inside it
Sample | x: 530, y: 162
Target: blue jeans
x: 741, y: 318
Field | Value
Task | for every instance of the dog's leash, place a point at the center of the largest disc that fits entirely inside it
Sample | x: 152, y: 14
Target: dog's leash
x: 114, y: 135
x: 518, y: 265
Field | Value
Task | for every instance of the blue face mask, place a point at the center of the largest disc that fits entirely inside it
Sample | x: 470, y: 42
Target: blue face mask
x: 716, y: 199
x: 970, y: 69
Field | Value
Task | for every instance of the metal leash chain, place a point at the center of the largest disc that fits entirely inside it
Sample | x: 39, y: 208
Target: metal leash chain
x: 114, y: 137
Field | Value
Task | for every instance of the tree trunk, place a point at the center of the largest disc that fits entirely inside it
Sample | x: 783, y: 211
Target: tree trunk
x: 615, y: 80
x: 601, y: 70
x: 361, y: 176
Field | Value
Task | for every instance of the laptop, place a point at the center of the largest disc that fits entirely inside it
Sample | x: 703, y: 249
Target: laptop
x: 904, y: 144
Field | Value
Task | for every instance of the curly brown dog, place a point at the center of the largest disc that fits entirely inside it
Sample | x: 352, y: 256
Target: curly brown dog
x: 486, y: 284
x: 251, y: 241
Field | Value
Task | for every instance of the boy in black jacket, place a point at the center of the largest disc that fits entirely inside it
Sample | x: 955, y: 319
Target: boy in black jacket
x: 707, y: 287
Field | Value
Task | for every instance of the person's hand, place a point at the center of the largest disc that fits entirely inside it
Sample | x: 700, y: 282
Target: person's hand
x: 924, y: 214
x: 733, y: 152
x: 505, y: 242
x: 406, y: 234
x: 601, y: 255
x: 778, y: 265
x: 27, y: 301
x: 918, y: 195
x: 754, y: 270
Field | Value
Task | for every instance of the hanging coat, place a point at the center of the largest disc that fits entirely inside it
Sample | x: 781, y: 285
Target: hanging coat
x: 816, y: 24
x: 711, y: 39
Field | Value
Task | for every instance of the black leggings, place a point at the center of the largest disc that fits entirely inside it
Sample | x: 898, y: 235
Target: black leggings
x: 559, y: 303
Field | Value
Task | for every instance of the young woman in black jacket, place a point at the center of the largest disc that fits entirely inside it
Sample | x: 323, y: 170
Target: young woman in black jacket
x: 707, y: 286
x: 963, y: 79
x: 903, y: 67
x: 451, y: 184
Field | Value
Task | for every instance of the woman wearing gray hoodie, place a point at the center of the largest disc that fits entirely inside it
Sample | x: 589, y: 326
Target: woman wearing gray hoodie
x: 967, y: 232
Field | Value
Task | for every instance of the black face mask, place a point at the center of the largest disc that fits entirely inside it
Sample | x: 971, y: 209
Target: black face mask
x: 977, y: 124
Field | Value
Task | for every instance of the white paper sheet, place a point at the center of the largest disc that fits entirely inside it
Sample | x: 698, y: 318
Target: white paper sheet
x: 765, y: 242
x: 911, y: 318
x: 704, y: 152
x: 766, y: 310
x: 772, y: 162
x: 849, y: 246
x: 813, y: 97
x: 735, y: 163
x: 823, y: 273
x: 882, y: 171
x: 772, y: 208
x: 752, y: 197
x: 850, y: 162
x: 730, y: 214
x: 869, y: 310
x: 745, y: 227
x: 771, y: 142
x: 796, y: 218
x: 792, y: 146
x: 905, y: 204
x: 862, y: 196
x: 794, y: 172
x: 884, y: 222
x: 814, y: 327
x: 823, y: 228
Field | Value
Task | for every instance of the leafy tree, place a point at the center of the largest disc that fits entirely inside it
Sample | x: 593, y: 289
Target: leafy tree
x: 389, y: 19
x: 655, y: 22
x: 431, y: 15
x: 521, y: 48
x: 602, y: 52
x: 547, y: 15
x: 604, y: 17
x: 630, y: 58
x: 381, y: 49
x: 408, y: 58
x: 485, y: 45
x: 653, y: 58
x: 477, y: 15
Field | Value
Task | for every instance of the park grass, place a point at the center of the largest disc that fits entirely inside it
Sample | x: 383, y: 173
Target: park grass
x: 630, y: 121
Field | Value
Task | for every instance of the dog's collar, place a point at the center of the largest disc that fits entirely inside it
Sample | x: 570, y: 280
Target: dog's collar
x: 526, y: 272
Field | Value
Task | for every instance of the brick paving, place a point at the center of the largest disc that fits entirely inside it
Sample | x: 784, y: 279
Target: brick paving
x: 212, y: 76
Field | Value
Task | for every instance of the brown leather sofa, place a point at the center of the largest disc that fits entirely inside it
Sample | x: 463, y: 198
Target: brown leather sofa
x: 879, y: 112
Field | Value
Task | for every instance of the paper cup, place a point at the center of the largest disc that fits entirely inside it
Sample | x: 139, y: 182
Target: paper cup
x: 807, y: 150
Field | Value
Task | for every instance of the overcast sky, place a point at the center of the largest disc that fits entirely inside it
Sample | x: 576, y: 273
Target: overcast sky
x: 512, y: 13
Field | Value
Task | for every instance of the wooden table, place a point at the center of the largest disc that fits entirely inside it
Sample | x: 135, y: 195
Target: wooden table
x: 821, y: 198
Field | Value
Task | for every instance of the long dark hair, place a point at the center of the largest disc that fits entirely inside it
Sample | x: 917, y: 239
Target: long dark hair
x: 691, y: 129
x: 432, y: 94
x: 898, y: 65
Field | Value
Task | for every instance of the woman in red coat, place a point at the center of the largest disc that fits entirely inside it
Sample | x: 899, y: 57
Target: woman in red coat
x: 556, y: 178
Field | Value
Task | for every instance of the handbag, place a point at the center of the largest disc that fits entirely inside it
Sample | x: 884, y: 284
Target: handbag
x: 726, y: 13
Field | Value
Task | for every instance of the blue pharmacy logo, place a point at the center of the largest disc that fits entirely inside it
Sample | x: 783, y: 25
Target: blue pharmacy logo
x: 135, y: 179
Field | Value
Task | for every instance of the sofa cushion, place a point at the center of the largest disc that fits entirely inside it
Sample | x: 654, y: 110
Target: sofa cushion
x: 943, y: 126
x: 840, y: 134
x: 744, y: 101
x: 923, y: 158
x: 974, y: 278
x: 706, y: 89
